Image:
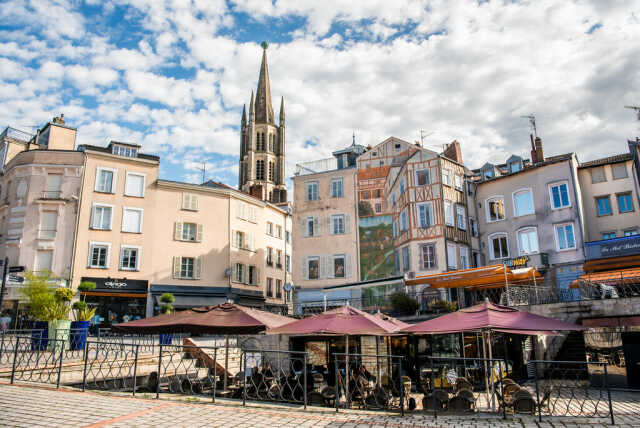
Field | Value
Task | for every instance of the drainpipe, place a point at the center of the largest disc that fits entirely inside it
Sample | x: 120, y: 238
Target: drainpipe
x: 75, y: 231
x: 442, y: 212
x: 576, y: 184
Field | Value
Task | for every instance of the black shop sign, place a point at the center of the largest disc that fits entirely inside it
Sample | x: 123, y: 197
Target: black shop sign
x: 119, y: 285
x: 617, y: 247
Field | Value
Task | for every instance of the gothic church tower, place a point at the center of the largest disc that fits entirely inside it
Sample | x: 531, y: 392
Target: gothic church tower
x: 262, y: 144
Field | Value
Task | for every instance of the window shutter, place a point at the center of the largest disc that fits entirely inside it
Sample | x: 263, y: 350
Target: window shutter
x: 347, y: 267
x: 322, y: 268
x: 194, y: 202
x: 197, y: 269
x: 185, y: 201
x: 330, y: 230
x: 305, y: 229
x: 347, y: 223
x: 176, y: 267
x: 305, y: 269
x: 233, y: 272
x: 245, y: 278
x: 316, y: 226
x: 178, y: 231
x: 329, y: 267
x: 258, y: 276
x: 199, y: 233
x: 234, y: 243
x: 252, y: 242
x: 93, y: 218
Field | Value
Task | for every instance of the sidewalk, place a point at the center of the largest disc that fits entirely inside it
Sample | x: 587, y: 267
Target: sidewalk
x: 29, y: 406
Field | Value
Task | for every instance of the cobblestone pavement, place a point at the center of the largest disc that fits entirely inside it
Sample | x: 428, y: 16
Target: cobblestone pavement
x: 32, y: 406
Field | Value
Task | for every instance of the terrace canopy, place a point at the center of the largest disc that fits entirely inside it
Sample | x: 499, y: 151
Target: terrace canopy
x: 493, y: 276
x: 226, y: 318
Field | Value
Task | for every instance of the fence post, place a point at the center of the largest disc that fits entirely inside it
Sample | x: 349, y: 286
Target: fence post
x: 335, y: 364
x: 535, y: 375
x: 433, y: 391
x: 61, y: 357
x: 215, y: 372
x: 84, y: 370
x: 2, y: 345
x: 606, y: 385
x: 15, y: 357
x: 503, y: 404
x: 304, y: 371
x: 243, y: 371
x: 159, y: 371
x: 135, y: 371
x: 401, y: 388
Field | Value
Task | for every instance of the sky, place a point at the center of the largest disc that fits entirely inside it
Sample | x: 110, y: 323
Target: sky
x: 173, y: 75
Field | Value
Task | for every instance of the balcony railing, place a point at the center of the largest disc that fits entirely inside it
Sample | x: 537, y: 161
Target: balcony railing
x: 47, y: 233
x: 51, y: 194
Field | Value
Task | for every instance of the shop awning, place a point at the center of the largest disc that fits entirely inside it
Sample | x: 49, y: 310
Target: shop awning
x: 493, y: 276
x: 609, y: 277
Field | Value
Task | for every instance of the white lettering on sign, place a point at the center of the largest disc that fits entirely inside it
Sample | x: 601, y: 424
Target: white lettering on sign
x: 114, y: 284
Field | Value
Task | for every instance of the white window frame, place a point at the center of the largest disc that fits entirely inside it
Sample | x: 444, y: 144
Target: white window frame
x: 335, y: 217
x: 341, y: 187
x: 428, y: 176
x: 559, y: 183
x: 404, y: 220
x: 452, y: 264
x: 429, y: 208
x: 449, y: 220
x: 141, y: 210
x: 316, y: 193
x: 317, y: 259
x: 93, y: 213
x: 236, y: 271
x: 513, y: 199
x: 114, y: 180
x: 144, y: 184
x: 555, y: 236
x: 434, y: 264
x: 463, y: 250
x: 488, y: 213
x: 461, y: 211
x: 490, y: 239
x: 457, y: 181
x: 523, y: 230
x: 130, y: 247
x: 344, y: 265
x: 446, y: 172
x: 93, y: 244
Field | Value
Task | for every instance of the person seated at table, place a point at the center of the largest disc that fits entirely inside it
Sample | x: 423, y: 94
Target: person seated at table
x: 266, y: 370
x: 366, y: 374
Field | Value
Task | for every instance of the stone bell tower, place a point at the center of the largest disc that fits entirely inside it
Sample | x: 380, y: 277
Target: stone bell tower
x: 262, y: 143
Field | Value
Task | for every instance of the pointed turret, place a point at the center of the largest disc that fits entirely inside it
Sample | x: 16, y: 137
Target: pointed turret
x: 244, y: 115
x: 282, y: 111
x: 252, y: 110
x: 264, y: 108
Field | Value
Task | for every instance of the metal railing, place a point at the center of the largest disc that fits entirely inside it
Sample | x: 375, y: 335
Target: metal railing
x: 51, y: 194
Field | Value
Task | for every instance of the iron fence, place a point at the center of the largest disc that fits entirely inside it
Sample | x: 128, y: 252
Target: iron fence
x: 8, y: 341
x: 278, y: 376
x: 110, y: 366
x: 34, y: 364
x: 187, y: 369
x: 371, y: 381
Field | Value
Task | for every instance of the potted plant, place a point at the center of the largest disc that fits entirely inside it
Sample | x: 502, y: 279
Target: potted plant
x: 167, y: 299
x: 38, y: 297
x: 58, y: 317
x: 83, y: 315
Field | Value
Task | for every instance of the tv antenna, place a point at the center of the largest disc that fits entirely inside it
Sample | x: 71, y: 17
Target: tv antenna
x: 423, y: 135
x: 532, y: 122
x: 203, y: 169
x: 636, y: 109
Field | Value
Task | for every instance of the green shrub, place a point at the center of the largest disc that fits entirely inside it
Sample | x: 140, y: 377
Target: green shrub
x: 403, y: 302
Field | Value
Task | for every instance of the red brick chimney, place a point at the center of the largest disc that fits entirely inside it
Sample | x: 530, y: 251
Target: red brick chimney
x: 533, y: 150
x: 453, y: 152
x: 539, y: 151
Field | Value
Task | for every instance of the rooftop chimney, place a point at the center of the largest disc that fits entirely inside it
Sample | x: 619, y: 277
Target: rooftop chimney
x: 533, y: 150
x: 59, y: 119
x: 539, y: 151
x: 453, y: 152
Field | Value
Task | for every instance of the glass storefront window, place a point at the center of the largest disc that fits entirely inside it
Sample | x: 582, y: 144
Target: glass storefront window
x: 116, y: 309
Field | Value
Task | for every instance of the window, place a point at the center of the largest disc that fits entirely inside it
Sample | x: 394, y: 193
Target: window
x: 514, y: 167
x: 313, y: 264
x: 279, y: 259
x: 452, y: 260
x: 105, y: 180
x: 619, y: 171
x: 608, y: 235
x: 130, y: 152
x: 603, y: 204
x: 378, y: 208
x: 473, y: 226
x: 404, y: 224
x: 101, y: 217
x: 287, y: 263
x: 278, y: 231
x: 461, y: 216
x: 427, y: 256
x: 448, y: 213
x: 446, y: 177
x: 402, y: 187
x: 425, y: 215
x: 269, y: 256
x: 365, y: 194
x: 44, y: 260
x: 239, y: 273
x: 278, y: 288
x: 393, y: 199
x: 624, y: 203
x: 396, y: 260
x: 189, y: 231
x: 189, y: 202
x: 269, y: 287
x: 48, y: 225
x: 132, y: 220
x: 528, y: 241
x: 312, y: 227
x: 598, y: 175
x: 422, y: 177
x: 565, y: 238
x: 378, y: 193
x: 337, y: 224
x: 523, y: 203
x: 134, y: 185
x: 464, y: 258
x: 559, y: 195
x: 395, y: 228
x: 53, y: 186
x: 499, y: 248
x: 287, y: 236
x: 269, y: 228
x: 630, y: 232
x: 495, y: 209
x: 338, y: 266
x: 240, y: 240
x: 406, y: 265
x: 312, y: 191
x: 336, y: 188
x: 99, y: 255
x: 129, y: 258
x: 271, y: 170
x: 252, y: 275
x: 457, y: 179
x: 259, y: 169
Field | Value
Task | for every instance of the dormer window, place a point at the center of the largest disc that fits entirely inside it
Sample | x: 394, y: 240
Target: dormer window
x: 130, y: 152
x: 514, y: 167
x: 488, y: 173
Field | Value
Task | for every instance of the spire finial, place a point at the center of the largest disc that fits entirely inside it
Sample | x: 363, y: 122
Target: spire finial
x: 264, y: 45
x: 354, y: 139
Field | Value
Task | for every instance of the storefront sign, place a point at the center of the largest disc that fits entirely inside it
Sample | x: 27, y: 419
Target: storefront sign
x: 115, y: 284
x: 119, y: 284
x: 517, y: 262
x: 617, y: 247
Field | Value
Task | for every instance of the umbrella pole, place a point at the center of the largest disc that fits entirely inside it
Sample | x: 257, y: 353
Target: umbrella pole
x: 493, y: 397
x: 346, y: 371
x: 484, y: 357
x: 226, y: 361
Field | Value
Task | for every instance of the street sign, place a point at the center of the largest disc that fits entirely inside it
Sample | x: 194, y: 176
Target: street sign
x: 16, y: 269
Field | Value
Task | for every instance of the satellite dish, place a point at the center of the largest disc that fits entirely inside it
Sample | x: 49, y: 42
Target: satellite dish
x: 287, y: 287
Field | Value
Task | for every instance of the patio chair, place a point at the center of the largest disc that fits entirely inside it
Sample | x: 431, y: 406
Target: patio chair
x: 378, y: 399
x: 442, y: 400
x: 460, y: 404
x: 463, y: 383
x: 468, y: 395
x: 315, y: 398
x: 329, y: 395
x: 523, y: 402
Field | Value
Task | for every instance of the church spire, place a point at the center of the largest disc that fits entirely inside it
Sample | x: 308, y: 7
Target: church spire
x: 244, y: 115
x: 264, y: 109
x: 282, y: 111
x: 252, y: 110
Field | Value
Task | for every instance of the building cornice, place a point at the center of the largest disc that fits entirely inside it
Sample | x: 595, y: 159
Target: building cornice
x: 120, y: 158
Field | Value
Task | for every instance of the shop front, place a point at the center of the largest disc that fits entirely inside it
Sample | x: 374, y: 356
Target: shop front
x: 117, y: 300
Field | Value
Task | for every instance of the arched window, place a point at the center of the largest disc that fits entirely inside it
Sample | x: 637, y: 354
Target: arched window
x: 271, y: 171
x: 498, y: 246
x: 259, y: 170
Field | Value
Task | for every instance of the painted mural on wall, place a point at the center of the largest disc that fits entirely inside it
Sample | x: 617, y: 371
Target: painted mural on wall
x: 376, y: 247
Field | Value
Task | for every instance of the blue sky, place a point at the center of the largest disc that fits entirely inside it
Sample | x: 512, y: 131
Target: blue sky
x: 173, y: 75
